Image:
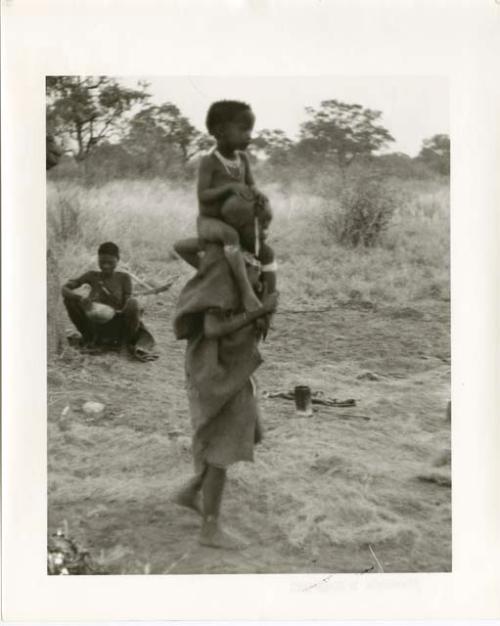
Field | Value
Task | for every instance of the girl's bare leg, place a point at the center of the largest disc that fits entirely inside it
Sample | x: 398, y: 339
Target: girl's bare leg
x: 190, y: 495
x: 212, y: 534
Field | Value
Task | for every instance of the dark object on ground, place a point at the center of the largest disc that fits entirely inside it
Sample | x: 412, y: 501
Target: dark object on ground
x: 448, y: 411
x: 302, y: 395
x: 316, y: 398
x: 441, y: 479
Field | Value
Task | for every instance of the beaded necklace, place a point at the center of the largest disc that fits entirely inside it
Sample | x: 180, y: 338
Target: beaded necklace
x: 229, y: 165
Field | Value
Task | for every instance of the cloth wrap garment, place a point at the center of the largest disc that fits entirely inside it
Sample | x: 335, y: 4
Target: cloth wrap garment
x: 220, y: 389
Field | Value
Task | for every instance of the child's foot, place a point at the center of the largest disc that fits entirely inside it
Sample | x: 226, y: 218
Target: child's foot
x: 213, y: 536
x: 188, y: 497
x: 251, y: 302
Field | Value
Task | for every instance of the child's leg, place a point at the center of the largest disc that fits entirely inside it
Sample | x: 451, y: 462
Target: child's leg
x: 217, y: 231
x: 211, y: 532
x: 189, y: 249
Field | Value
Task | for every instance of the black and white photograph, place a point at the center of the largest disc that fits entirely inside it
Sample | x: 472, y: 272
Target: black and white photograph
x: 248, y: 325
x: 250, y: 301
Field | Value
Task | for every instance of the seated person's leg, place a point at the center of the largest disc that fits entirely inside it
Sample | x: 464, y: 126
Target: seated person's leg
x: 77, y: 315
x: 131, y: 316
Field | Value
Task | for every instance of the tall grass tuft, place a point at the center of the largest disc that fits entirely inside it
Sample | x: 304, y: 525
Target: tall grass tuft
x: 366, y: 207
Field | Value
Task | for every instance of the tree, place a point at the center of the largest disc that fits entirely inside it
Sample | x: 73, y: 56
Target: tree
x: 435, y: 153
x: 84, y: 111
x: 272, y: 144
x: 54, y: 321
x: 342, y: 131
x: 159, y: 134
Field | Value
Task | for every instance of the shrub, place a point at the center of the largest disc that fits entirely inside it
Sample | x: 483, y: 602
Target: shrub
x: 366, y: 207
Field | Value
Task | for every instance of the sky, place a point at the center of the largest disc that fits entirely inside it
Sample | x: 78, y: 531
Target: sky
x: 413, y: 108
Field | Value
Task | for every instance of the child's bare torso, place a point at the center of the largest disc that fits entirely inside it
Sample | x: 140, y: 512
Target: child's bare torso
x: 223, y: 174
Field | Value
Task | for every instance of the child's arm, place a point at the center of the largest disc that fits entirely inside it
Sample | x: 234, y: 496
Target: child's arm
x: 207, y: 193
x: 217, y: 326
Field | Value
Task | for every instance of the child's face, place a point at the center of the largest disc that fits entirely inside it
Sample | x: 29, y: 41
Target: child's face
x: 237, y: 134
x: 107, y: 263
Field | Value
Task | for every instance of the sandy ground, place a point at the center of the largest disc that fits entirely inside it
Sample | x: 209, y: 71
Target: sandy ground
x: 332, y: 493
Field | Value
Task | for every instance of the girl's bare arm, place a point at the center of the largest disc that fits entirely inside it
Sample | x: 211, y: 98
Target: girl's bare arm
x: 217, y: 326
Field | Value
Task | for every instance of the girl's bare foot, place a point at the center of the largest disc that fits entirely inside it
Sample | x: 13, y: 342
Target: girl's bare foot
x: 213, y: 536
x: 188, y: 497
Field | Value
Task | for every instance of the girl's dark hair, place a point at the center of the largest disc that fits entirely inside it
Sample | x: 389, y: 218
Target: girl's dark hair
x: 224, y: 111
x: 109, y: 248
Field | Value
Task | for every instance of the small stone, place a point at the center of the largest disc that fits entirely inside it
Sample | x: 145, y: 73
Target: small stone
x: 175, y: 433
x: 184, y: 443
x: 368, y: 376
x: 63, y: 422
x: 93, y: 408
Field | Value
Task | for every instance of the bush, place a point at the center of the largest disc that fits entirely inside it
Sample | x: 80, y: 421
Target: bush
x: 366, y: 207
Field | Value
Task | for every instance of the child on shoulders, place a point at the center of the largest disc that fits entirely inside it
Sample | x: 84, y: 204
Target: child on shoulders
x: 225, y: 182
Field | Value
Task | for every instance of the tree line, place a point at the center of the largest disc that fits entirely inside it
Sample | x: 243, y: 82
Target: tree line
x: 108, y: 130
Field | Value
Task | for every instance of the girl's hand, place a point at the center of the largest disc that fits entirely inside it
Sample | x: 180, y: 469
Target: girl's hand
x: 262, y: 326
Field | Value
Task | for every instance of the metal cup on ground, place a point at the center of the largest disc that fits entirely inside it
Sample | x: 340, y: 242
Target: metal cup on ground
x: 303, y: 403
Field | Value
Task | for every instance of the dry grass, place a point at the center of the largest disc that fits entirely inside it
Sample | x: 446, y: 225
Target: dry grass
x: 146, y: 218
x: 324, y: 493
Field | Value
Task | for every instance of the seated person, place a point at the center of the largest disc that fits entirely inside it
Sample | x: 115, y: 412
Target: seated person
x: 119, y: 321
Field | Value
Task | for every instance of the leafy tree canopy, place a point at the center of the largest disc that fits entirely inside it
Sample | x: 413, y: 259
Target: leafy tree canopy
x: 435, y: 153
x: 84, y: 111
x: 160, y: 129
x: 342, y: 130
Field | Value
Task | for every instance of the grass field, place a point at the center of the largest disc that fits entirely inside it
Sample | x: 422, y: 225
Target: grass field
x: 325, y: 493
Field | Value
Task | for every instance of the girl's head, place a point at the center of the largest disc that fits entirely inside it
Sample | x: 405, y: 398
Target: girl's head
x: 231, y: 123
x: 108, y: 256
